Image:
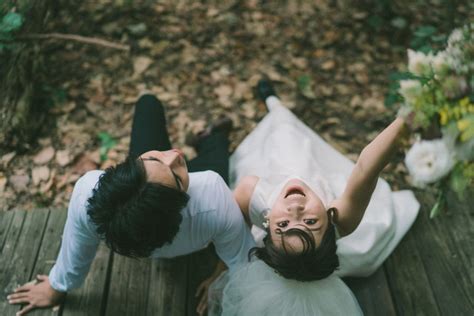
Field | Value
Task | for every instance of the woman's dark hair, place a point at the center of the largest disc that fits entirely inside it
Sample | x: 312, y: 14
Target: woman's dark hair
x: 312, y: 263
x: 134, y: 216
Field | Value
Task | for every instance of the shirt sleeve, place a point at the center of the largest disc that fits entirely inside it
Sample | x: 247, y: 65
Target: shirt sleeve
x: 79, y: 242
x: 233, y: 239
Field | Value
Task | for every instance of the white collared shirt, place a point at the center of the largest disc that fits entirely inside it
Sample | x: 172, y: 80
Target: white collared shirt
x: 211, y: 215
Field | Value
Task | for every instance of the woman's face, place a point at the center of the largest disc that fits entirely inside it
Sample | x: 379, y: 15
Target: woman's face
x: 167, y: 168
x: 297, y: 206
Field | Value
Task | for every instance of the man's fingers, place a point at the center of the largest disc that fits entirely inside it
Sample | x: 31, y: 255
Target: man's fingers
x: 41, y: 277
x: 17, y: 295
x: 24, y: 287
x: 25, y: 310
x: 21, y: 300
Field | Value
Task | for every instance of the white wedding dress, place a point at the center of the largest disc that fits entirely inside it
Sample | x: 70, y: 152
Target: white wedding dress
x: 281, y: 147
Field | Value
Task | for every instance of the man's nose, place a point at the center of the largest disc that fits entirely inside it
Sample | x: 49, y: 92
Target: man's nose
x: 171, y: 157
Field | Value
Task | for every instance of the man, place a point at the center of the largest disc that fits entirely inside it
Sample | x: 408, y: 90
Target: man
x: 147, y: 206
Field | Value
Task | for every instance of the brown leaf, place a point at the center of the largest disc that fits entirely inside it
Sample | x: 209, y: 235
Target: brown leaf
x: 140, y: 64
x: 327, y: 65
x: 3, y: 183
x: 19, y: 182
x: 44, y: 156
x: 85, y: 163
x: 39, y: 174
x: 7, y: 158
x: 63, y: 157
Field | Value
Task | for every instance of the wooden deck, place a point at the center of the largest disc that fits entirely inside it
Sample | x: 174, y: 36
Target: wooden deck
x: 430, y: 273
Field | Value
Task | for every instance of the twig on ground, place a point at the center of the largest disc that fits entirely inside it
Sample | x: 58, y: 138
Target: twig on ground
x: 77, y: 38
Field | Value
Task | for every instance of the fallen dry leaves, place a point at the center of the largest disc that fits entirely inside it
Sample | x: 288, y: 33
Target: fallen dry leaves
x: 203, y: 61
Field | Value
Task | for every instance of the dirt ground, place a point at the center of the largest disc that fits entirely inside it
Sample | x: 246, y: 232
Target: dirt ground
x: 329, y: 64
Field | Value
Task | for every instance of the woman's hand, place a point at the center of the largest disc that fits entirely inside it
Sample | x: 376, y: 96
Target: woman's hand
x: 203, y: 288
x: 36, y: 294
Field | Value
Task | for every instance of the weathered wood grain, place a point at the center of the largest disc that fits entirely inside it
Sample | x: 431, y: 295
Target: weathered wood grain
x: 201, y: 266
x: 89, y: 299
x: 408, y: 279
x: 128, y: 290
x: 20, y: 254
x: 49, y: 250
x: 373, y: 294
x: 442, y: 262
x: 6, y: 219
x: 167, y: 289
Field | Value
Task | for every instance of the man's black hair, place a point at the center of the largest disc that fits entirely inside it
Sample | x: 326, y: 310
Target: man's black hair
x: 312, y: 263
x: 134, y: 216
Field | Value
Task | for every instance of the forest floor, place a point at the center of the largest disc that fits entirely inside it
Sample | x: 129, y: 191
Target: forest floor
x: 330, y: 63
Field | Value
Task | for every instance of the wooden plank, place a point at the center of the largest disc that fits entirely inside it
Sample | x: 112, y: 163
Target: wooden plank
x: 6, y: 219
x: 167, y: 289
x: 408, y: 280
x: 441, y: 258
x: 201, y: 266
x: 128, y: 292
x: 373, y: 294
x: 458, y: 224
x: 89, y: 299
x: 17, y: 266
x: 49, y: 250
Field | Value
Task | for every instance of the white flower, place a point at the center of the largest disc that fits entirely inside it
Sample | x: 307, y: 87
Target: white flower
x: 429, y: 161
x: 419, y: 63
x: 410, y: 90
x: 440, y: 64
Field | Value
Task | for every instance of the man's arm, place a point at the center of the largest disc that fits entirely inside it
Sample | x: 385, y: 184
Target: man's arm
x: 78, y: 248
x: 363, y: 179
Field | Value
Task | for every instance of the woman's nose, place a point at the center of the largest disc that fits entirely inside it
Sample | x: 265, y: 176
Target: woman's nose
x: 295, y: 208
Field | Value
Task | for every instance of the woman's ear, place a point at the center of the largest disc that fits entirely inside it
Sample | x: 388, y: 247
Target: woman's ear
x: 332, y: 215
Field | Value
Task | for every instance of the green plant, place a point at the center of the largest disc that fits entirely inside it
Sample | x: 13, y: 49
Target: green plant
x: 107, y: 142
x: 10, y: 23
x: 427, y: 38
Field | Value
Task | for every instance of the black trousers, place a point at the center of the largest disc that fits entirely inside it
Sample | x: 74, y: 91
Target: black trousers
x: 149, y: 133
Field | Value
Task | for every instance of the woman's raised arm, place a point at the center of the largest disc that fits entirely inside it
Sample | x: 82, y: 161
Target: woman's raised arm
x: 363, y: 179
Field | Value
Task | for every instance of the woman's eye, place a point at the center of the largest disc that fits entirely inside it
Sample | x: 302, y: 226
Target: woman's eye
x: 282, y: 224
x: 310, y: 221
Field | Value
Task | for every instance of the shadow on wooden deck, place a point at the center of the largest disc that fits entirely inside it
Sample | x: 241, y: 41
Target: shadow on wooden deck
x: 430, y: 273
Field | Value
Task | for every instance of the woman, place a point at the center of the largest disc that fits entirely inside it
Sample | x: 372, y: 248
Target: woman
x: 316, y: 215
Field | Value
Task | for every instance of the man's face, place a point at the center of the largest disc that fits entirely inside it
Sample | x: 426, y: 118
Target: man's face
x: 167, y: 168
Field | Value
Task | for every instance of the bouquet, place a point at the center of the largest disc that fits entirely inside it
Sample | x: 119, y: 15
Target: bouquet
x: 439, y: 97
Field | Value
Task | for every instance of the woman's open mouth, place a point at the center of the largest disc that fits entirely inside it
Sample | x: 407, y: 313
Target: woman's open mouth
x: 294, y: 190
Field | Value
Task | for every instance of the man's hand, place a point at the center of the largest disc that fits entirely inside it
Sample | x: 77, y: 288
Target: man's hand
x: 203, y: 288
x: 34, y: 294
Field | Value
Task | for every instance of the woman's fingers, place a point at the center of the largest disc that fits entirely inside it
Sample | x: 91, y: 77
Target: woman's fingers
x: 202, y: 304
x: 25, y: 310
x: 200, y: 288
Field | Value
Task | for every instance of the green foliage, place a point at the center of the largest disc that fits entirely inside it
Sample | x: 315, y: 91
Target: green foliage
x: 393, y: 97
x: 107, y: 142
x: 304, y: 85
x: 427, y: 39
x: 54, y: 95
x: 457, y: 181
x: 10, y: 23
x: 439, y: 205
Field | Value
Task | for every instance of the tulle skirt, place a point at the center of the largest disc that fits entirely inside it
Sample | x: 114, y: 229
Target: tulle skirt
x: 255, y: 289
